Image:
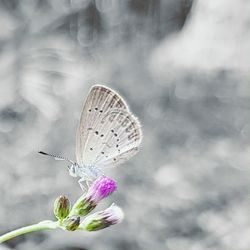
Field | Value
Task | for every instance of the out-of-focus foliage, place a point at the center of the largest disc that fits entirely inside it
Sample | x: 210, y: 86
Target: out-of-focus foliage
x: 188, y: 187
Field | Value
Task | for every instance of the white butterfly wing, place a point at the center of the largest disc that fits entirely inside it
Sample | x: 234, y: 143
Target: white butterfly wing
x: 116, y: 159
x: 108, y: 134
x: 122, y: 140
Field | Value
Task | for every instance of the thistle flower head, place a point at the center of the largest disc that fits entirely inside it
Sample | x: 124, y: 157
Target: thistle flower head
x: 100, y: 189
x: 97, y: 221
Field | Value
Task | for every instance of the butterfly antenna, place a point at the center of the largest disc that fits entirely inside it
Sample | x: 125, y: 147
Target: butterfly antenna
x: 56, y: 157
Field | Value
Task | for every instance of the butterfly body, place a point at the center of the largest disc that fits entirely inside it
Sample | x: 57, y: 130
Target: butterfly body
x: 84, y: 172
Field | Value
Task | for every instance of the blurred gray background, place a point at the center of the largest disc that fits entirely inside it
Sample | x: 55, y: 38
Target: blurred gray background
x: 184, y: 68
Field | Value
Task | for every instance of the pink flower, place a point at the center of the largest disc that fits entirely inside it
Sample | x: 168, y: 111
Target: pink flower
x: 100, y: 189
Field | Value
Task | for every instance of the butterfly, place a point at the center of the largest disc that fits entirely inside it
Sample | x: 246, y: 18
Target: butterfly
x: 108, y: 135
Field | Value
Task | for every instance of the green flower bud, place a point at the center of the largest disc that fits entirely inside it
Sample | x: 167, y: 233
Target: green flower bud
x: 97, y: 221
x: 61, y: 207
x: 71, y: 223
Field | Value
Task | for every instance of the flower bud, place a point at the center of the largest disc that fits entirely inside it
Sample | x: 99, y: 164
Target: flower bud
x: 110, y: 216
x: 71, y: 223
x: 101, y: 188
x: 61, y: 207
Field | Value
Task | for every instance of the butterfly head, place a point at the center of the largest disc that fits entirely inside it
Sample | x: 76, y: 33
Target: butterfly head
x: 73, y: 170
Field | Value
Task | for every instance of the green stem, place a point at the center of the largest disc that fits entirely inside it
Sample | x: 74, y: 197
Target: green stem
x: 44, y: 225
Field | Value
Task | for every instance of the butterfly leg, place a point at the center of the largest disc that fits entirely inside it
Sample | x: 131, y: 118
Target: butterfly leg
x: 83, y: 185
x: 88, y: 183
